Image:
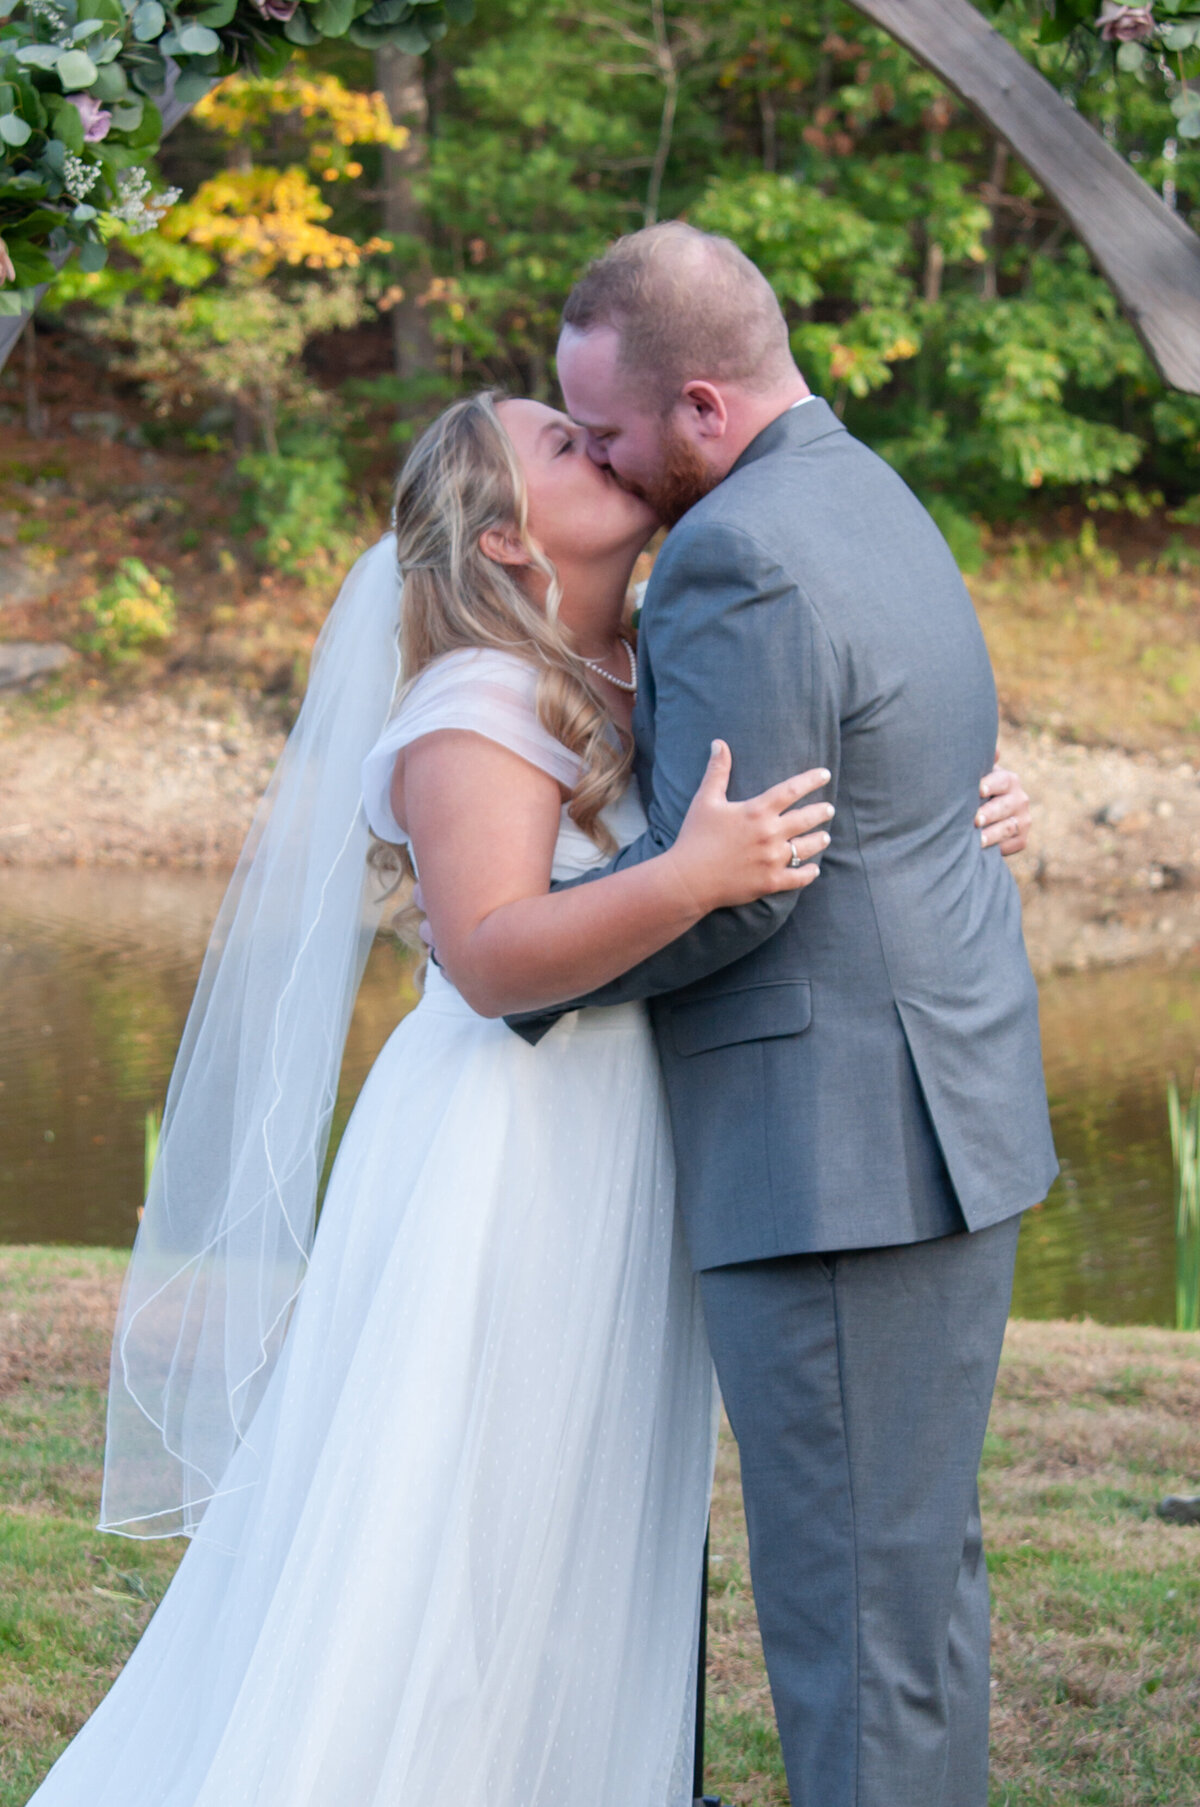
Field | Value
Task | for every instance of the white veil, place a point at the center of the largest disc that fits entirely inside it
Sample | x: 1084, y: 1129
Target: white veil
x: 224, y: 1241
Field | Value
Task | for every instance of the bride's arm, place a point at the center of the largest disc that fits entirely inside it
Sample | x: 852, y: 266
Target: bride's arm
x: 483, y: 824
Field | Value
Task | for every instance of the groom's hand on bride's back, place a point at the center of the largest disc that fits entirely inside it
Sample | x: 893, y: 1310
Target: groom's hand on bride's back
x: 1005, y: 817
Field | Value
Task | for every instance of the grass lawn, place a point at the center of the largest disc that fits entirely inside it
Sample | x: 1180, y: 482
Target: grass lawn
x: 1097, y: 1603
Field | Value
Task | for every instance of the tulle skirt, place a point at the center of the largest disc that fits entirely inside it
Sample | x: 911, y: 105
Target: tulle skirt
x: 459, y: 1563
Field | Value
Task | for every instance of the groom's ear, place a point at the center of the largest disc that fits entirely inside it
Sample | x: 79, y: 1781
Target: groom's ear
x: 504, y: 546
x: 704, y: 406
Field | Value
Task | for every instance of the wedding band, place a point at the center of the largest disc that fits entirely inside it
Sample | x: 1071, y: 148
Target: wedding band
x: 795, y: 860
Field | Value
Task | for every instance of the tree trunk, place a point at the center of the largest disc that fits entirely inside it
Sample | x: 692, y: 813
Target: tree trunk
x: 1149, y: 257
x: 993, y: 195
x: 401, y: 82
x: 35, y: 413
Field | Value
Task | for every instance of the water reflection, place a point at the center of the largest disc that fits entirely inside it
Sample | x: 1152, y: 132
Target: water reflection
x: 96, y: 973
x: 1103, y: 1242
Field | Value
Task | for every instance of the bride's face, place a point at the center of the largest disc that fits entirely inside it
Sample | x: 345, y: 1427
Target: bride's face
x: 577, y: 509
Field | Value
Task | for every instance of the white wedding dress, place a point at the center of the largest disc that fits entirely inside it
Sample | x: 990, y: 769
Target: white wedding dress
x: 467, y: 1574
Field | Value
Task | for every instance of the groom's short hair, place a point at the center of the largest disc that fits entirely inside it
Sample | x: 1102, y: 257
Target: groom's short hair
x: 686, y: 305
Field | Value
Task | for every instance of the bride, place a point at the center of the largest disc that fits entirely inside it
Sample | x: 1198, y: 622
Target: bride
x: 446, y: 1467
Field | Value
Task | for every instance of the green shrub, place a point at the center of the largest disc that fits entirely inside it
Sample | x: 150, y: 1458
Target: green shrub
x: 134, y: 609
x: 960, y: 533
x: 300, y: 497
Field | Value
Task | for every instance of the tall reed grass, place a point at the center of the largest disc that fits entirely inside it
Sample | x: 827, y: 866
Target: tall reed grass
x: 1185, y: 1146
x: 150, y: 1154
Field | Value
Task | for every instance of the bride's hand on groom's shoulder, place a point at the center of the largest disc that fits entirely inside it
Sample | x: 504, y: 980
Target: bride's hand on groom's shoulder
x: 1005, y: 818
x: 730, y: 853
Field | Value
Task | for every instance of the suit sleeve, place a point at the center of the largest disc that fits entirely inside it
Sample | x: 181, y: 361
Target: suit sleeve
x: 732, y: 649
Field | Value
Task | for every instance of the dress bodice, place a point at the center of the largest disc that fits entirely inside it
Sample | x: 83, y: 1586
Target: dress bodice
x: 484, y: 691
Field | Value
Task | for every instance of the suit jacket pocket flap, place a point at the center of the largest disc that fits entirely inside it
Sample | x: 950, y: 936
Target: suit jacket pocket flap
x: 753, y: 1014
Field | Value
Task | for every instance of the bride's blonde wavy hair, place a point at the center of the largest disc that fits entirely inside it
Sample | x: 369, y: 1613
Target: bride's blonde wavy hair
x: 461, y: 478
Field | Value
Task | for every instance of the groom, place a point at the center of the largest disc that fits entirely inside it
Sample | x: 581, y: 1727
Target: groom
x: 854, y: 1072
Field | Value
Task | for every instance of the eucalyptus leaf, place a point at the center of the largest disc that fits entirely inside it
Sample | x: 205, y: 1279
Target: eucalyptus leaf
x: 332, y: 18
x: 149, y: 21
x: 192, y: 85
x: 39, y: 56
x: 68, y: 126
x: 271, y: 55
x: 407, y: 36
x: 300, y: 29
x: 198, y: 40
x: 83, y: 212
x: 32, y: 266
x: 127, y: 114
x: 148, y: 72
x: 107, y: 51
x: 111, y: 11
x: 93, y: 256
x: 111, y: 83
x: 115, y: 157
x: 217, y: 15
x: 388, y: 12
x: 75, y: 69
x: 86, y: 28
x: 168, y: 43
x: 1181, y: 37
x: 148, y: 131
x: 13, y: 130
x: 1131, y: 58
x: 25, y: 187
x: 1189, y: 125
x: 12, y: 304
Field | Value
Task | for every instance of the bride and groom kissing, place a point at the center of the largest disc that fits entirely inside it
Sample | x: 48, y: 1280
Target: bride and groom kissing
x: 713, y: 1063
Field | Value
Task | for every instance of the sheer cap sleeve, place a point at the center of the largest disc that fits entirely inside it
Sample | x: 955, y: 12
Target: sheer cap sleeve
x: 478, y: 690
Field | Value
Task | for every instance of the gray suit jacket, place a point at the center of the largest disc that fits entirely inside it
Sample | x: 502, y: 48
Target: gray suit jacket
x: 859, y: 1064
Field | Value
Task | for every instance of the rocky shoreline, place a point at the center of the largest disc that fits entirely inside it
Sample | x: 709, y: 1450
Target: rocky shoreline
x: 1112, y: 874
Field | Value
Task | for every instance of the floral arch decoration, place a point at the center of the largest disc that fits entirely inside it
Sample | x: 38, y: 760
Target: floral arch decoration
x: 88, y: 88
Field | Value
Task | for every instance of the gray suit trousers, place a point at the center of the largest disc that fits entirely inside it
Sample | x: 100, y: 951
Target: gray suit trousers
x: 858, y: 1387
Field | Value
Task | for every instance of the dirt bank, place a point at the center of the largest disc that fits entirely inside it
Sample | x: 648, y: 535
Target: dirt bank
x: 1113, y: 873
x: 157, y: 780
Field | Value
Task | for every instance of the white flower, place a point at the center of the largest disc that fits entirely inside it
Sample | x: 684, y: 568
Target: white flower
x: 136, y: 206
x: 79, y: 176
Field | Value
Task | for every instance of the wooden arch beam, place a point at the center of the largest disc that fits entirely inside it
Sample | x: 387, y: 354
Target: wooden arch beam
x: 1149, y: 257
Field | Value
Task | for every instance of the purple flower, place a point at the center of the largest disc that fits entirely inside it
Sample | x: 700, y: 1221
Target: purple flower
x: 280, y: 10
x: 1122, y: 24
x: 96, y: 119
x: 7, y: 271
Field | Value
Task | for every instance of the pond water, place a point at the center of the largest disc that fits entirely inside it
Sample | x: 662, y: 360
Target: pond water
x: 97, y: 968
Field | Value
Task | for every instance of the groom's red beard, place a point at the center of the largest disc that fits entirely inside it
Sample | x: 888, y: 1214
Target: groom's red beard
x: 678, y: 484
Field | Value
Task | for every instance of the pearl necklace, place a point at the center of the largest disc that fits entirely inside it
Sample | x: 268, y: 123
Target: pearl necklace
x: 629, y: 685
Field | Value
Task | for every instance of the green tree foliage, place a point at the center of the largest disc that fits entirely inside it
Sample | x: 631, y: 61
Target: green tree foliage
x: 933, y: 293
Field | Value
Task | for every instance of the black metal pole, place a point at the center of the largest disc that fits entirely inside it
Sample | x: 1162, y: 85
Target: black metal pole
x: 701, y: 1799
